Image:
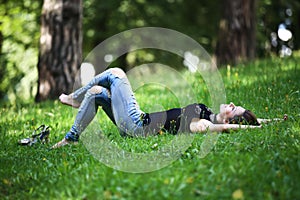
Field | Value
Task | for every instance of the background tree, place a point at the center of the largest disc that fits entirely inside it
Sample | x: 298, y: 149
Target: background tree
x: 60, y: 52
x: 237, y: 34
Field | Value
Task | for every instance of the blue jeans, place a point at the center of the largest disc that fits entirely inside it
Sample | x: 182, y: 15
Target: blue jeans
x: 116, y: 99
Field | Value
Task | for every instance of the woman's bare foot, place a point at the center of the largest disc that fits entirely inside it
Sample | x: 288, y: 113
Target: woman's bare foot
x: 62, y: 143
x: 68, y: 100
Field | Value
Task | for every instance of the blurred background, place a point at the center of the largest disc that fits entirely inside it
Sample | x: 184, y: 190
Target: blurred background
x: 231, y: 31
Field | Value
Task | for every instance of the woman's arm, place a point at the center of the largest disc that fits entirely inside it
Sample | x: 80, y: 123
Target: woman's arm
x: 265, y: 121
x: 202, y: 125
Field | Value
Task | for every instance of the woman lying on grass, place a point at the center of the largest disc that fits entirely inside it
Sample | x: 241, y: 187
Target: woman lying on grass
x: 112, y: 91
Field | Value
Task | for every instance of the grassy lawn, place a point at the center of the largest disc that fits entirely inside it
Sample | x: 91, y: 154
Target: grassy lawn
x: 247, y: 164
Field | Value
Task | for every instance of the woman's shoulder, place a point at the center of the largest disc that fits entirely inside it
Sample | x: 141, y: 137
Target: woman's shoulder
x: 199, y: 108
x: 200, y: 105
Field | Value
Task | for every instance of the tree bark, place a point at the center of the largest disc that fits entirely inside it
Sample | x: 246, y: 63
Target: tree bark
x: 237, y: 32
x: 60, y: 52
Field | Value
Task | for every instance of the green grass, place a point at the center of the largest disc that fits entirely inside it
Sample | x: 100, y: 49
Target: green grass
x: 247, y: 164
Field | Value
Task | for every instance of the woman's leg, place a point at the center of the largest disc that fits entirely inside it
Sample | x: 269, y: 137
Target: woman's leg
x: 74, y: 99
x: 94, y: 97
x: 103, y: 99
x: 125, y: 110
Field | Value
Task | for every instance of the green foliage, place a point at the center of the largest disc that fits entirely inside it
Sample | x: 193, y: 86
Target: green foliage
x: 20, y: 29
x: 247, y: 164
x: 197, y: 19
x: 269, y: 15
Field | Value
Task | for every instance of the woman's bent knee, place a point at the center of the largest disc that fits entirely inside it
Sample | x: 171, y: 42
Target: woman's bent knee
x: 118, y: 72
x: 95, y: 89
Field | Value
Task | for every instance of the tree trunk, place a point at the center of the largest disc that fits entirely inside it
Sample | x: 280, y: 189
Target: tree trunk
x: 60, y: 53
x: 237, y: 30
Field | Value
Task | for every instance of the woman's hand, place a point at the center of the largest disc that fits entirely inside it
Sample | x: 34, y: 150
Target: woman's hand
x: 265, y: 121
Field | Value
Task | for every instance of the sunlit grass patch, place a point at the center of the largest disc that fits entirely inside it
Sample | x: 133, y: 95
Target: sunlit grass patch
x: 250, y: 164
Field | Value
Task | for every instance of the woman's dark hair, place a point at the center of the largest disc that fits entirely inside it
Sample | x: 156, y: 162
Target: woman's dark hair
x: 247, y: 118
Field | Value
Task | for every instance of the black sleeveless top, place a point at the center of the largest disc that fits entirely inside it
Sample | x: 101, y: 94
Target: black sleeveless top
x: 176, y: 119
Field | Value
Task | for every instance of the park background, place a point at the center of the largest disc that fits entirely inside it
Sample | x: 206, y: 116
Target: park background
x: 231, y: 31
x: 255, y: 45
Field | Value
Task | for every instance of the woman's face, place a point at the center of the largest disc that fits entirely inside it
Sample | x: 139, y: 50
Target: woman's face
x: 230, y: 110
